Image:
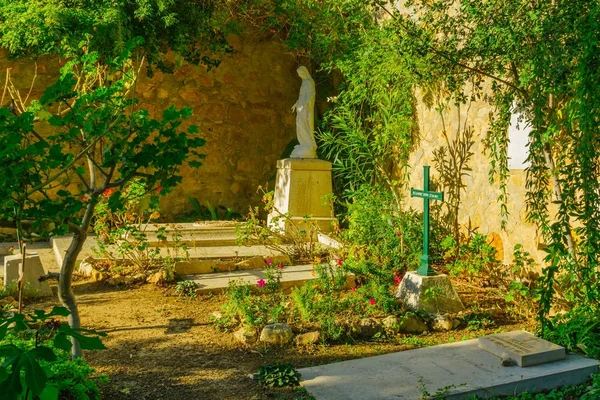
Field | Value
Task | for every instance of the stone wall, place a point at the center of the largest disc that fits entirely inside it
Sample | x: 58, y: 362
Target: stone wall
x: 480, y: 209
x: 242, y: 109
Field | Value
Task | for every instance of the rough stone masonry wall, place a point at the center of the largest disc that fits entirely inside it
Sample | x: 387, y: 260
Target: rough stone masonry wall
x: 480, y: 208
x: 242, y: 109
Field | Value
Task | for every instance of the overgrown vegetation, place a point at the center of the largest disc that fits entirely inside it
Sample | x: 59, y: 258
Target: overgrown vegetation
x: 541, y: 61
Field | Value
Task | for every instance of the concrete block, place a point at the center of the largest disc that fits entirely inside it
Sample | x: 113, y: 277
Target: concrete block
x: 522, y: 347
x: 433, y: 294
x: 33, y: 270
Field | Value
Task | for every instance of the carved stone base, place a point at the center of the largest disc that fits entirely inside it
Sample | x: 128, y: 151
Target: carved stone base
x: 303, y: 189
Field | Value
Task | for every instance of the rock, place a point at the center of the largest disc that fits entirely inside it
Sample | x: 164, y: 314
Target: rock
x: 441, y: 322
x: 195, y: 267
x: 308, y: 338
x: 7, y: 249
x: 245, y: 335
x: 86, y: 266
x: 116, y: 280
x: 9, y: 301
x: 368, y: 327
x: 252, y: 263
x: 98, y: 276
x: 412, y: 324
x: 276, y: 334
x: 278, y: 260
x: 160, y: 277
x: 455, y: 323
x: 137, y: 278
x: 391, y: 323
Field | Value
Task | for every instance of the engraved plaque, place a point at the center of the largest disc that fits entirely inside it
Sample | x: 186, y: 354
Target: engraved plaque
x: 523, y: 347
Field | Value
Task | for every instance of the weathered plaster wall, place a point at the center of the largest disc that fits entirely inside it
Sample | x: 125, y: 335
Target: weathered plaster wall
x: 480, y: 208
x: 242, y: 109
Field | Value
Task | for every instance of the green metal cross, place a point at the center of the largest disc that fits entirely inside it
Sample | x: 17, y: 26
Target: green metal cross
x: 426, y: 195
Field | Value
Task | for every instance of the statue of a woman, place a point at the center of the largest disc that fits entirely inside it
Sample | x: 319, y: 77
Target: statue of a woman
x: 305, y: 117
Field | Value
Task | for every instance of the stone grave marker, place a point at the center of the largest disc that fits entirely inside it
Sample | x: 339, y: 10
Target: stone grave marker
x: 522, y: 347
x: 453, y: 371
x: 33, y: 270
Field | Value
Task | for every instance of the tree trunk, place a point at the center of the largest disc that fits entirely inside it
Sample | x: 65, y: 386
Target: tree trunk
x: 65, y: 291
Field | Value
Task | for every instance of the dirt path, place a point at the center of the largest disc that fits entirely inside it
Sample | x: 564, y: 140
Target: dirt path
x: 163, y: 347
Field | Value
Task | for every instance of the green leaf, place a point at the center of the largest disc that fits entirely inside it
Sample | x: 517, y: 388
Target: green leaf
x: 35, y: 377
x: 50, y: 392
x: 61, y: 341
x: 44, y: 353
x: 59, y: 311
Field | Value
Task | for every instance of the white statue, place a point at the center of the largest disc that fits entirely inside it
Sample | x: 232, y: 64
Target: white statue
x: 305, y: 117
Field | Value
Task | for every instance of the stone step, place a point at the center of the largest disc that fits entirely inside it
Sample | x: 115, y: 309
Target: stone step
x: 60, y: 244
x: 292, y: 276
x: 219, y: 233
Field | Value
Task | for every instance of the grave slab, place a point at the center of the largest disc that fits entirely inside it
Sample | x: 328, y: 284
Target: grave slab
x: 463, y: 368
x: 522, y: 347
x: 294, y: 275
x: 33, y: 270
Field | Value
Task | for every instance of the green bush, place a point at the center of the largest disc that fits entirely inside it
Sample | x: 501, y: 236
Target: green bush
x: 35, y: 358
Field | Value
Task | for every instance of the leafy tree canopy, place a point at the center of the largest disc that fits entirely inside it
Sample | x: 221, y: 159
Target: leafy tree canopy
x: 29, y: 28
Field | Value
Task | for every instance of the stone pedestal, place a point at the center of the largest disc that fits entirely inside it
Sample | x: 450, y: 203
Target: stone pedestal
x: 33, y: 270
x: 302, y: 188
x: 433, y: 294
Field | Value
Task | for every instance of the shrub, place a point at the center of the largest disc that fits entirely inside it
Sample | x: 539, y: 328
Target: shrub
x: 35, y: 353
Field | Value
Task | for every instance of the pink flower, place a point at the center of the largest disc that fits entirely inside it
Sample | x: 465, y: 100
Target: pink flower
x: 260, y: 282
x: 340, y: 262
x: 280, y: 266
x: 269, y: 262
x: 397, y: 280
x: 372, y: 302
x: 108, y: 192
x: 354, y: 289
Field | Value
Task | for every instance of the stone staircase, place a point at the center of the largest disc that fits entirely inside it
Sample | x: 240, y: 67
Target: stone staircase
x: 208, y: 246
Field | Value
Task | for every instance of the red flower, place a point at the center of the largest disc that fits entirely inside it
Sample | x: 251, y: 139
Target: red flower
x: 85, y: 198
x: 260, y: 283
x: 354, y: 289
x: 108, y: 192
x: 340, y: 262
x: 397, y: 280
x: 280, y: 266
x: 372, y: 302
x: 269, y: 262
x: 398, y: 233
x: 158, y: 189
